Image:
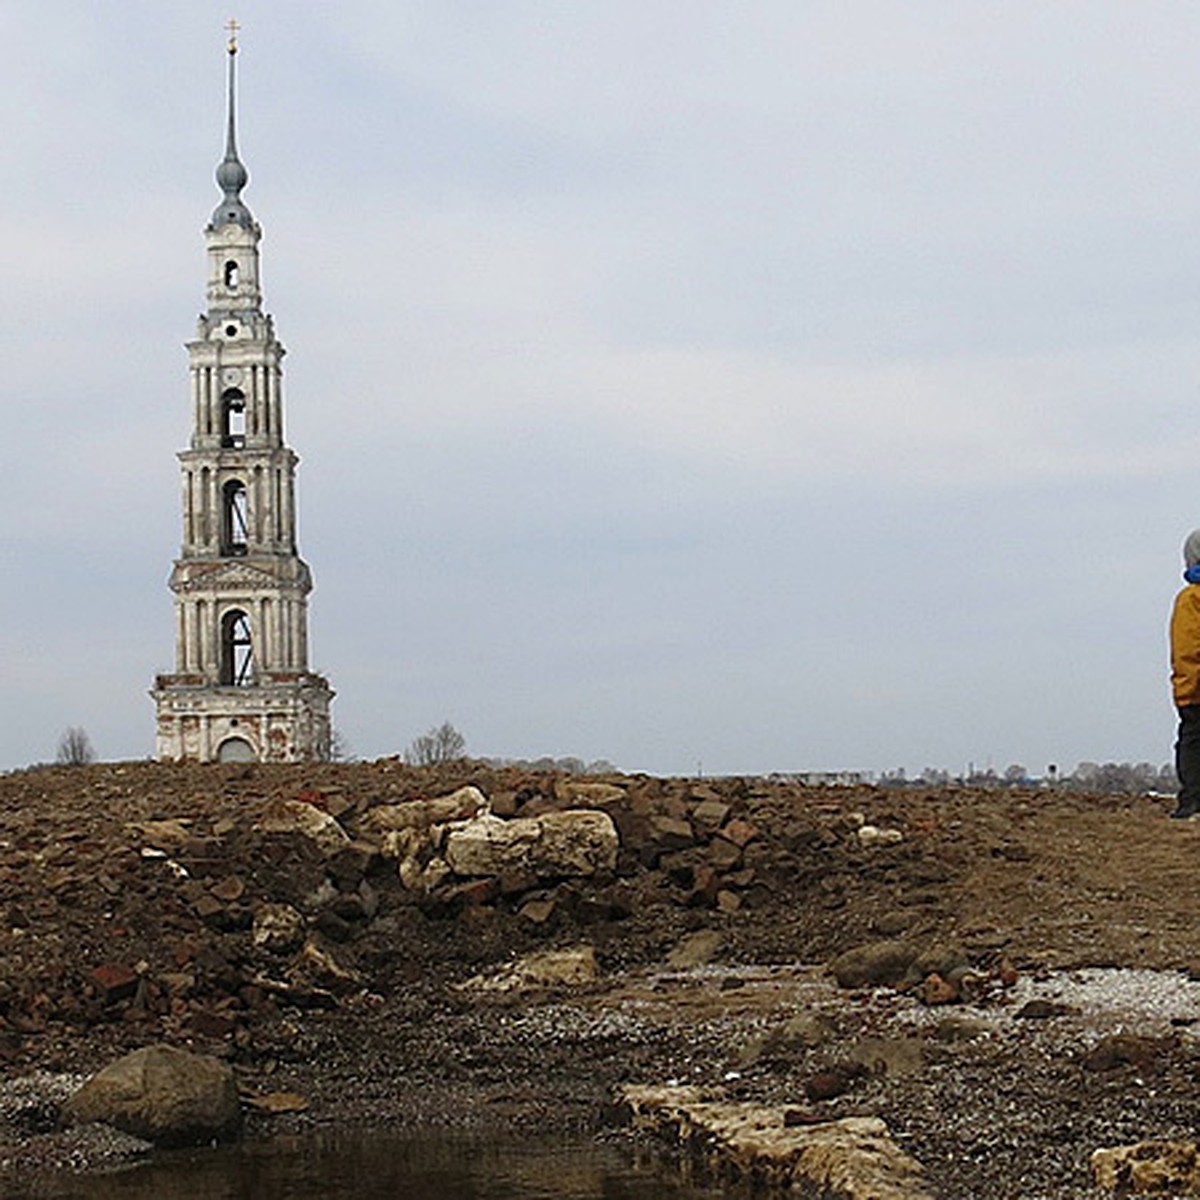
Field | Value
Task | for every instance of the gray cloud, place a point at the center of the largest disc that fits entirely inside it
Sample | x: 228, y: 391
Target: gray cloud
x: 784, y: 386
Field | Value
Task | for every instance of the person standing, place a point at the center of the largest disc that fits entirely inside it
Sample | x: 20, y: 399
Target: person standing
x: 1185, y: 679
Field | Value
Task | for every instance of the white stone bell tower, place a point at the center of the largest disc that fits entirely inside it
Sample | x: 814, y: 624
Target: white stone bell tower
x: 241, y: 690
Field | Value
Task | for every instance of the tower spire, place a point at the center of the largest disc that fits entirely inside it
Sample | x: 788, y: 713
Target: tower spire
x: 232, y: 175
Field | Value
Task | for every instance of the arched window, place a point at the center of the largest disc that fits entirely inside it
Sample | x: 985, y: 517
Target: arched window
x: 231, y: 274
x: 237, y: 650
x: 235, y: 518
x: 233, y: 418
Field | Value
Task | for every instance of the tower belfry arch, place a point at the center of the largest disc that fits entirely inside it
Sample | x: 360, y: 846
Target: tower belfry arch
x: 241, y: 689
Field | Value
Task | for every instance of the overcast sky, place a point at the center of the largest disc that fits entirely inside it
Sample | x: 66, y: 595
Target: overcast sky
x: 746, y: 385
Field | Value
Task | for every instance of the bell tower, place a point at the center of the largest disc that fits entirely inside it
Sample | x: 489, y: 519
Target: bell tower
x: 241, y: 690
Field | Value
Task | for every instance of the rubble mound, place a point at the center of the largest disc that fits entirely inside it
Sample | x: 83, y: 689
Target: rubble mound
x: 314, y: 925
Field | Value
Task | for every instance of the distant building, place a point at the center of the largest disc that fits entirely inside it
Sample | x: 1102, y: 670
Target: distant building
x: 826, y: 778
x: 241, y: 689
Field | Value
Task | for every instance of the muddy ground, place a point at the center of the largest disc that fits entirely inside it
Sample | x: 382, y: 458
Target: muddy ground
x: 128, y: 894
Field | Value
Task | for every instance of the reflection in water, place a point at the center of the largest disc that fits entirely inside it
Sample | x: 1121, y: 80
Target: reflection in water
x: 371, y: 1166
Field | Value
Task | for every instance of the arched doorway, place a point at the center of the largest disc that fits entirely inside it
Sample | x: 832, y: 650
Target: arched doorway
x: 236, y: 749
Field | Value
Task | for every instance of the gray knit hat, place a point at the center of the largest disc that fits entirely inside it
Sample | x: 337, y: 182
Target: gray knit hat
x: 1191, y: 549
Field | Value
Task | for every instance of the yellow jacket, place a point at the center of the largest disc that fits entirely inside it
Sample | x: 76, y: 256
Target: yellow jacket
x: 1185, y: 646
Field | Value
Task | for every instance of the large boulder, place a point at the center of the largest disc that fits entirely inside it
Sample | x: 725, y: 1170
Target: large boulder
x: 460, y: 805
x: 490, y: 845
x: 877, y: 964
x: 577, y: 842
x: 854, y: 1158
x: 164, y: 1095
x: 298, y: 816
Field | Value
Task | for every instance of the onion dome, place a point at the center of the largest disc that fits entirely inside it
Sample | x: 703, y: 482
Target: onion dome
x: 232, y: 175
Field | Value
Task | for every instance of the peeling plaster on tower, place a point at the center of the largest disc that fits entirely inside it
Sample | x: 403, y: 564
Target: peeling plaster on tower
x: 241, y: 689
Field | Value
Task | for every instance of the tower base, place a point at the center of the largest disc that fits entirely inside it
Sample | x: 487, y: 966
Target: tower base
x: 284, y: 718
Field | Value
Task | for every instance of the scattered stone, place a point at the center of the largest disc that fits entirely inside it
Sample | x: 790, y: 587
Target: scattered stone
x: 278, y: 928
x: 316, y: 966
x: 936, y: 990
x: 947, y: 959
x: 230, y: 889
x: 959, y: 1028
x: 1158, y: 1168
x: 1043, y: 1010
x: 538, y: 912
x: 870, y: 836
x: 114, y: 982
x: 167, y: 835
x: 740, y: 833
x: 894, y: 922
x: 1007, y: 974
x: 710, y: 814
x: 671, y: 833
x: 582, y: 793
x: 1126, y: 1050
x: 696, y: 950
x: 888, y: 963
x: 472, y: 893
x: 547, y: 969
x: 208, y: 1024
x: 892, y: 1056
x: 787, y: 1041
x: 206, y: 906
x: 828, y: 1085
x: 723, y: 855
x: 164, y: 1095
x: 274, y: 1104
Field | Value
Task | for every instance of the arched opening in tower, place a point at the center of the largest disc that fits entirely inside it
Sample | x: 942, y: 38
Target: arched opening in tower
x: 237, y: 650
x: 235, y: 519
x: 233, y: 418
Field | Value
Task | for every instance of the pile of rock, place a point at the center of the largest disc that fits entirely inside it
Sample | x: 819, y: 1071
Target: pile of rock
x: 199, y: 903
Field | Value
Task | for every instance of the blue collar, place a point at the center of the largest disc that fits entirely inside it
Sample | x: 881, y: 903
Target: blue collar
x: 1192, y: 574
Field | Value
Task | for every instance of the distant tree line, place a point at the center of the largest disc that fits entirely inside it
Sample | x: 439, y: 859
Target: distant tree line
x: 567, y: 766
x: 445, y: 744
x: 1123, y: 778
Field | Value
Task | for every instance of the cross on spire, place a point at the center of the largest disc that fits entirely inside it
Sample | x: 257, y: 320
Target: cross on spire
x: 233, y: 28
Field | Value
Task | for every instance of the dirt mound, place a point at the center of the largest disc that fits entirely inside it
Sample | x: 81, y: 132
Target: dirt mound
x: 262, y: 913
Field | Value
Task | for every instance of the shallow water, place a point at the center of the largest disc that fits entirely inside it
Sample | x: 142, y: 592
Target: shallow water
x: 370, y: 1166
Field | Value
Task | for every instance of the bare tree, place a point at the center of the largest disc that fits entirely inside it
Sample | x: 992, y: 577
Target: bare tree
x: 441, y: 745
x: 340, y: 749
x: 75, y: 747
